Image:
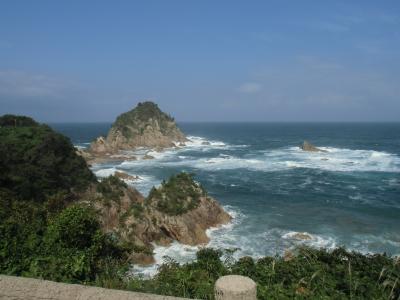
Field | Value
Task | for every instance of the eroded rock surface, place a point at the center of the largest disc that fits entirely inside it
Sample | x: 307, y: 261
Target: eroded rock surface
x: 144, y: 126
x: 179, y: 210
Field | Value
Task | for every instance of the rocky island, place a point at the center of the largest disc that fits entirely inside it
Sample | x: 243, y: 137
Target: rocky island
x: 144, y: 126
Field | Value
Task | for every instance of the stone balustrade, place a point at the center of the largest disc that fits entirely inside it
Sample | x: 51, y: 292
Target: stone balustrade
x: 231, y: 287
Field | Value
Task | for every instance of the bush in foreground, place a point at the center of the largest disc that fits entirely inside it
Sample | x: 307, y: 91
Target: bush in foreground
x: 309, y: 274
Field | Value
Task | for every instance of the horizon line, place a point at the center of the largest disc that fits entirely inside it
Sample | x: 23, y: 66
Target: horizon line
x: 226, y: 122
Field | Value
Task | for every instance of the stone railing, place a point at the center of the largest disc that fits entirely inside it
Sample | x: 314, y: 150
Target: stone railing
x: 231, y: 287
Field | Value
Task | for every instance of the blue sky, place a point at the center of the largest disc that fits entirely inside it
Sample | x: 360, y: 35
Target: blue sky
x: 201, y: 60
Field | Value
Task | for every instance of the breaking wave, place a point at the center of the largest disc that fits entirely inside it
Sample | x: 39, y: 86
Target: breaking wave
x: 256, y: 239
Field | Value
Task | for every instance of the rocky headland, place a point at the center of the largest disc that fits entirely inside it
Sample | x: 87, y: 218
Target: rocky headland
x: 144, y: 126
x: 179, y: 210
x: 59, y: 179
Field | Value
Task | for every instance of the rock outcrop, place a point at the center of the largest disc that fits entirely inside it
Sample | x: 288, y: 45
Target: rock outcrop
x: 306, y: 146
x: 144, y: 126
x: 125, y: 176
x: 179, y: 210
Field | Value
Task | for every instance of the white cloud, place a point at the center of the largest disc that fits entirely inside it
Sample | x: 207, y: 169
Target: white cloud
x: 250, y: 88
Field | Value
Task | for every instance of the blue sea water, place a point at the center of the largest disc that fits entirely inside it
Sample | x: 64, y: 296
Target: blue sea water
x: 348, y: 196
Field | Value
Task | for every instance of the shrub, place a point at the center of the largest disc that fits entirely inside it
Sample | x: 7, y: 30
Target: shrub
x: 37, y: 162
x: 112, y: 188
x: 178, y: 195
x: 74, y: 249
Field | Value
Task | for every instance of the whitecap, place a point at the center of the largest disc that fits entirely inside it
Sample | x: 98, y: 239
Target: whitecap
x: 313, y: 240
x: 183, y: 253
x: 105, y: 172
x: 176, y: 251
x: 203, y: 144
x: 356, y: 197
x: 340, y: 160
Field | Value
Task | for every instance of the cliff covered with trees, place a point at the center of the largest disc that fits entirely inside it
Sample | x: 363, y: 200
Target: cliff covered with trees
x: 58, y: 222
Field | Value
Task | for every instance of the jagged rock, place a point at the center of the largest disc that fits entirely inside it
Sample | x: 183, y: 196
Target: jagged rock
x: 288, y: 255
x: 158, y: 149
x: 125, y: 176
x: 144, y: 221
x: 144, y: 126
x: 147, y: 156
x: 181, y: 144
x: 301, y: 236
x: 306, y: 146
x: 85, y: 154
x: 92, y: 158
x: 142, y: 259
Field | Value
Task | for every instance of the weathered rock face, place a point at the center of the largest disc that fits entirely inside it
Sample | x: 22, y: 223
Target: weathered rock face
x: 125, y: 176
x: 144, y: 126
x: 97, y: 158
x: 306, y: 146
x: 140, y: 221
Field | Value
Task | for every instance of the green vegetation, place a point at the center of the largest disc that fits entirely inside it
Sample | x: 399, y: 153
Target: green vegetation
x: 42, y: 232
x: 309, y: 274
x: 67, y: 246
x: 111, y: 188
x: 139, y: 116
x: 46, y: 233
x: 177, y: 195
x: 74, y: 249
x: 37, y: 162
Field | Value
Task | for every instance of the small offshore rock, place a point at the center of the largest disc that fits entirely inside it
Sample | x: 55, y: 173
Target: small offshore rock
x: 306, y: 146
x: 125, y: 176
x: 302, y: 236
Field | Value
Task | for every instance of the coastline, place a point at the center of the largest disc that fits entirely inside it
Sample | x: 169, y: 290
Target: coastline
x: 226, y: 156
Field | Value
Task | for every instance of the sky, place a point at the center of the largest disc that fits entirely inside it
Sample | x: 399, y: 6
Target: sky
x: 261, y: 61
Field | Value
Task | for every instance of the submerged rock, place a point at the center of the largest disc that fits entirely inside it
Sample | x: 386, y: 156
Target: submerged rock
x: 306, y: 146
x: 206, y: 143
x: 147, y: 156
x: 303, y: 236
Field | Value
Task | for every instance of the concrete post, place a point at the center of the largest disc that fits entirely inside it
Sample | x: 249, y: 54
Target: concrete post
x: 235, y: 287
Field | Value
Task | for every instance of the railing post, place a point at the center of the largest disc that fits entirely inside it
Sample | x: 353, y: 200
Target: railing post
x: 235, y: 287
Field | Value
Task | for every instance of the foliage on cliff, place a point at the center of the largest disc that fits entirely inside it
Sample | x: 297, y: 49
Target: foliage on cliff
x: 41, y: 234
x: 37, y: 162
x: 111, y: 188
x: 177, y: 195
x: 67, y: 246
x: 139, y: 116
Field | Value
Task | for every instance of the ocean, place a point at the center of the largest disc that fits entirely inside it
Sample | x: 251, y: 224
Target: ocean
x: 348, y: 196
